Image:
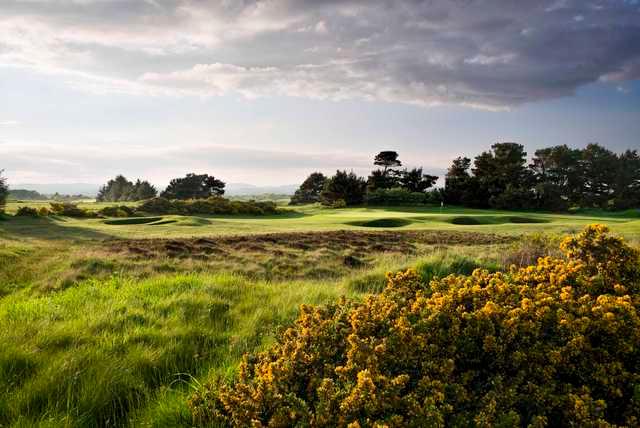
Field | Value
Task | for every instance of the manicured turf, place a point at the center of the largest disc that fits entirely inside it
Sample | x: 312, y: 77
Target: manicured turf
x: 309, y: 218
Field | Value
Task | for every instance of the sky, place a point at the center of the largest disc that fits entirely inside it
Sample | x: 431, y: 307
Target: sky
x: 266, y: 91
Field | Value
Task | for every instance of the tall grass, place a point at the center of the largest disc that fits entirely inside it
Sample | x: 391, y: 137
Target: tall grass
x: 100, y: 353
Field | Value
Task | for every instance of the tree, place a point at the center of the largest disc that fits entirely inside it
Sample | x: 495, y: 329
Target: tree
x: 26, y: 195
x: 626, y: 191
x: 505, y: 165
x: 457, y: 182
x: 143, y: 190
x: 380, y: 179
x: 116, y: 190
x: 310, y: 189
x: 4, y: 191
x: 344, y: 186
x: 415, y: 181
x: 194, y: 186
x: 598, y: 167
x: 387, y: 159
x: 558, y: 177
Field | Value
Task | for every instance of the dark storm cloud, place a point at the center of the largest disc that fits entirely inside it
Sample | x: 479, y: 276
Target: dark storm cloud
x: 467, y: 52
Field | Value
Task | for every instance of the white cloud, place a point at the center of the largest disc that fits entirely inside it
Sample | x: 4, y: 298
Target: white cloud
x: 486, y: 54
x: 9, y: 123
x: 33, y: 162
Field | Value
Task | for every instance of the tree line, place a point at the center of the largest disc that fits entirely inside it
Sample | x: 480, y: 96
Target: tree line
x: 386, y: 184
x: 192, y: 186
x: 557, y: 179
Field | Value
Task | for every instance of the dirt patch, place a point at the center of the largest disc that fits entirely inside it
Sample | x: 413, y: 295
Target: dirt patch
x: 281, y: 243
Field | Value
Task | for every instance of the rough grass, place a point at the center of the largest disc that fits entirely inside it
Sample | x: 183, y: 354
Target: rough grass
x: 102, y: 326
x: 97, y: 352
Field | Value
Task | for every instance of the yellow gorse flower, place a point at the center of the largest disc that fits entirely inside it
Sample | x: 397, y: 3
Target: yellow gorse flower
x: 557, y: 343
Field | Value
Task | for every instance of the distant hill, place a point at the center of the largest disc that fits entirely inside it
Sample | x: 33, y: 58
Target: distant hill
x: 61, y: 188
x: 25, y: 195
x: 240, y: 189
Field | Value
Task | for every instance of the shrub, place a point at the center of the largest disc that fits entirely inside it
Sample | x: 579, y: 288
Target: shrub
x: 208, y: 206
x: 27, y: 212
x: 339, y: 203
x: 67, y: 209
x: 117, y: 211
x: 557, y: 343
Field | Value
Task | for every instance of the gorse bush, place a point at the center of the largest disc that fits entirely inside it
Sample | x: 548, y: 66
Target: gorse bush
x: 26, y: 211
x: 212, y: 205
x: 117, y: 211
x: 68, y: 209
x: 556, y: 343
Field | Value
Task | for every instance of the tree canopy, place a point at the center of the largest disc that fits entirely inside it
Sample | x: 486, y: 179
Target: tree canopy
x: 557, y: 178
x: 387, y: 159
x: 345, y: 187
x: 194, y: 186
x: 120, y: 189
x: 4, y: 190
x: 310, y: 189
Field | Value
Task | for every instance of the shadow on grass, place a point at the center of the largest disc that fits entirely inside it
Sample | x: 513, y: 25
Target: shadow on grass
x: 47, y: 228
x: 288, y: 213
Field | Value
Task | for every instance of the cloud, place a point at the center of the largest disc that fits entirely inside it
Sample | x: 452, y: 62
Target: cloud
x: 492, y: 55
x: 9, y: 123
x: 29, y: 162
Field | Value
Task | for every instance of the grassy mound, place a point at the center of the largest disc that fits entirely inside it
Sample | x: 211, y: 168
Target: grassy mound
x: 383, y: 222
x: 132, y: 220
x: 556, y: 344
x: 163, y: 221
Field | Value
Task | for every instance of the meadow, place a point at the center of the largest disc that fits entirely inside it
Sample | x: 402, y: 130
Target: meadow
x: 116, y: 322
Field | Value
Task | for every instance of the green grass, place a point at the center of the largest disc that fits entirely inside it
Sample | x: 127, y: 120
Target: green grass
x: 106, y: 350
x: 316, y: 218
x: 94, y: 337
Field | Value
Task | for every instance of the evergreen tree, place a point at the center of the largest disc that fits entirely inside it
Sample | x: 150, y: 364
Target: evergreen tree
x: 627, y: 181
x: 415, y: 181
x: 558, y: 177
x: 343, y: 186
x: 310, y: 189
x: 143, y: 190
x: 117, y: 190
x: 456, y: 181
x: 4, y: 191
x: 504, y: 166
x: 598, y: 166
x: 194, y: 186
x: 387, y: 159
